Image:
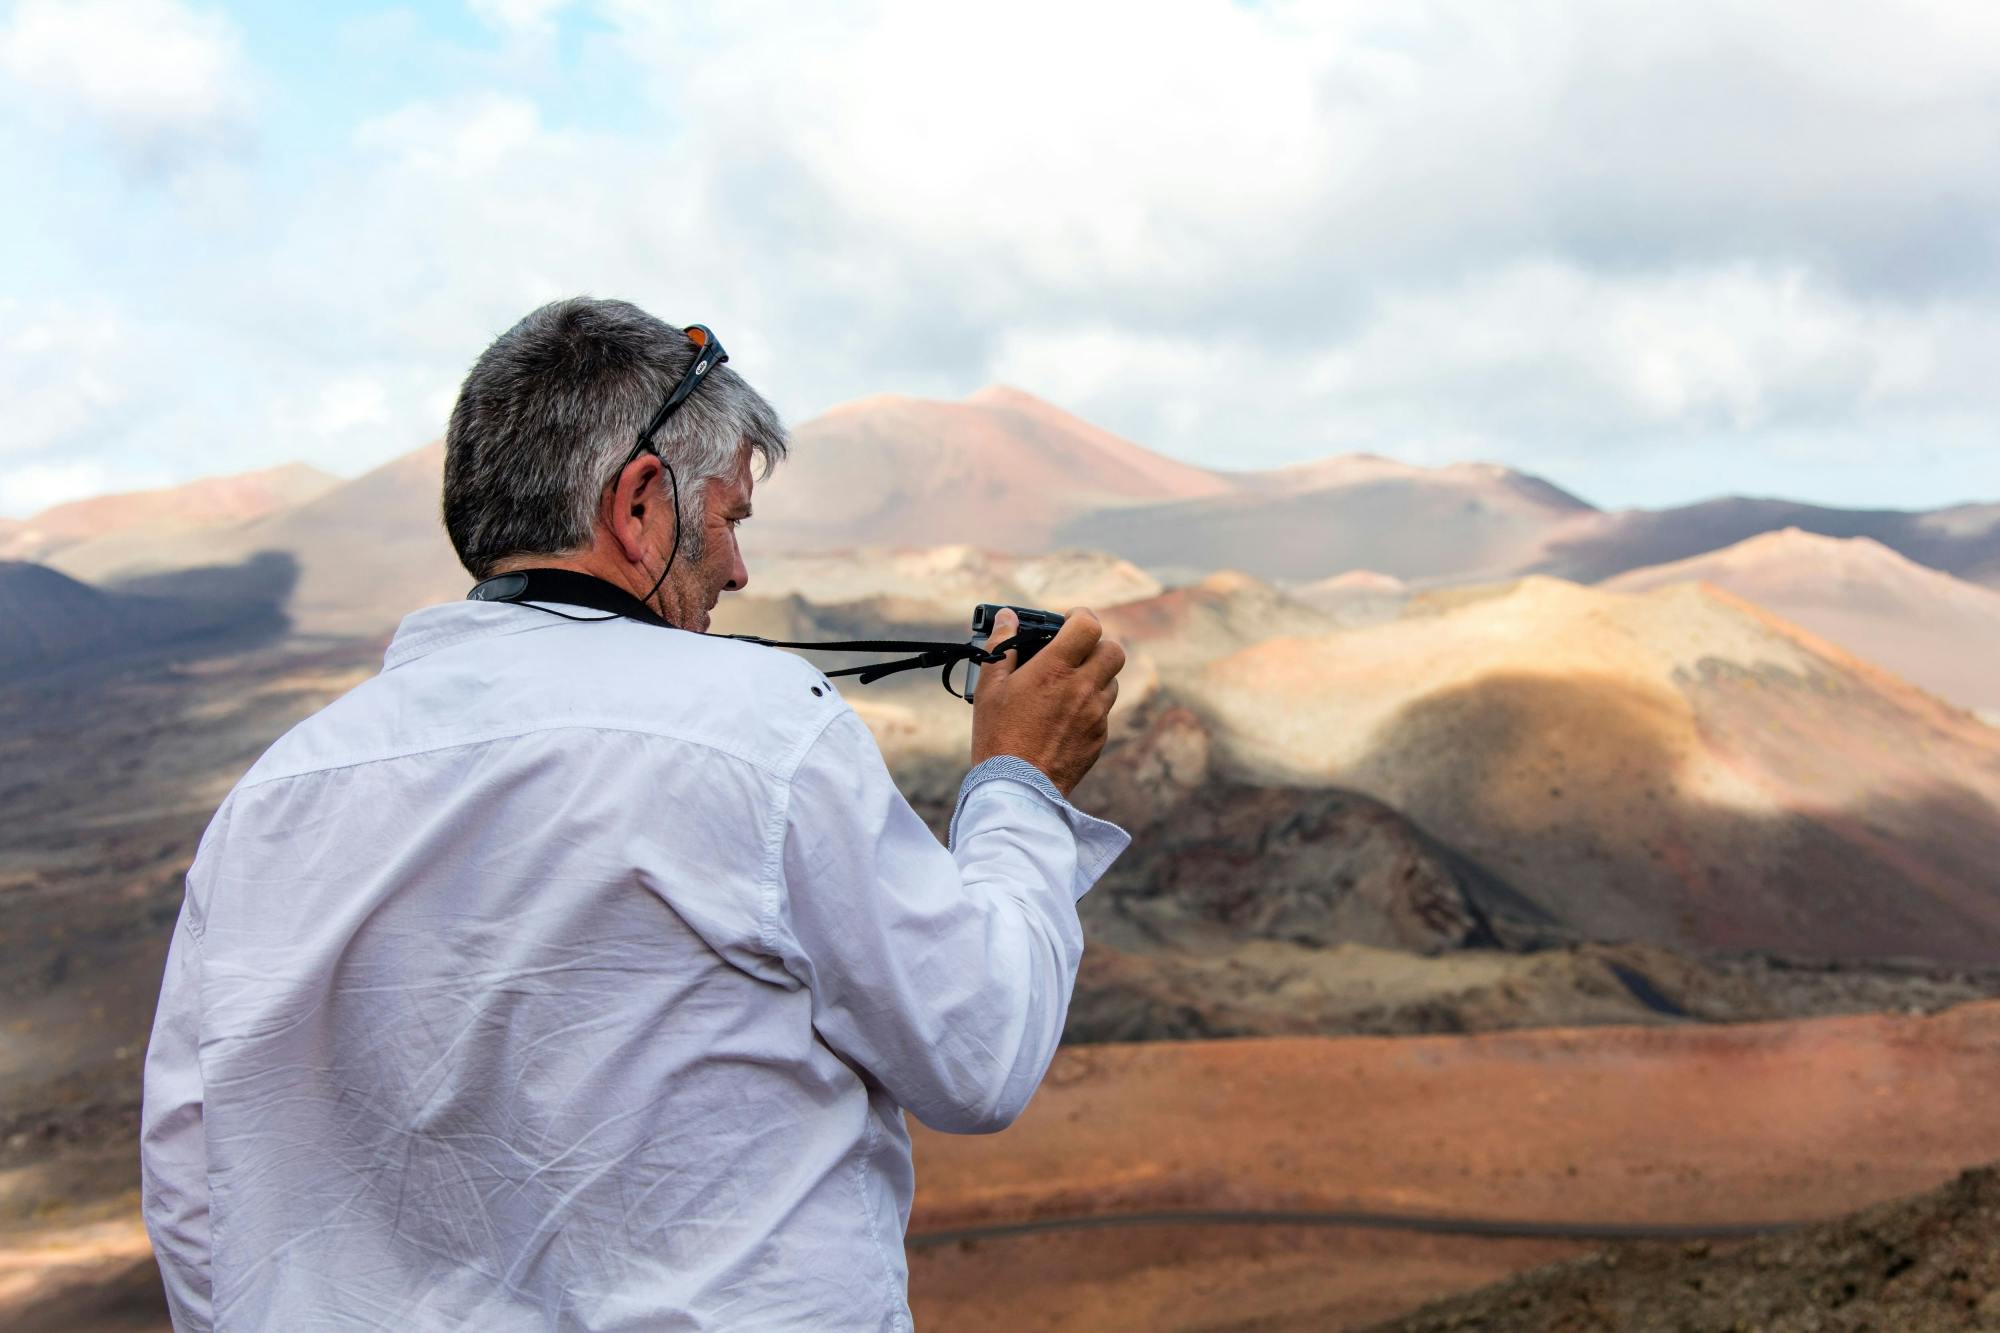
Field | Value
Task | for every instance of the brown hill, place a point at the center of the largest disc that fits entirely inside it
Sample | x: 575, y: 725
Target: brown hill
x: 1000, y: 469
x: 370, y: 551
x: 1220, y: 614
x: 1249, y: 908
x: 211, y: 502
x: 1963, y: 540
x: 1445, y: 524
x: 1679, y: 767
x: 1356, y: 599
x: 1933, y: 630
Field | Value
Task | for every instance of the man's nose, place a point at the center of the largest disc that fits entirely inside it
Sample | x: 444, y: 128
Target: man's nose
x: 739, y: 574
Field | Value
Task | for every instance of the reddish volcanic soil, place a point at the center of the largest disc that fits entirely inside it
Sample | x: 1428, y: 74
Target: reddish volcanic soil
x: 1678, y: 1126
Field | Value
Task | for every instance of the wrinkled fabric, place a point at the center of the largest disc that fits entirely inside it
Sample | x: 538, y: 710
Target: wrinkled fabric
x: 576, y: 976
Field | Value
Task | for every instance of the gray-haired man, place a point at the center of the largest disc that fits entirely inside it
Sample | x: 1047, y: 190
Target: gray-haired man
x: 575, y: 971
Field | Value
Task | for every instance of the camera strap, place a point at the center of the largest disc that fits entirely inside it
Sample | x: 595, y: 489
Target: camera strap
x: 568, y: 587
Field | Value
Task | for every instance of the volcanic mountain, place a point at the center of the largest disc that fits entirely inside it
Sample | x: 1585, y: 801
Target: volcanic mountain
x: 1001, y: 469
x: 1357, y: 598
x: 1007, y: 472
x: 138, y: 516
x: 1933, y: 630
x: 1679, y: 767
x: 1449, y: 524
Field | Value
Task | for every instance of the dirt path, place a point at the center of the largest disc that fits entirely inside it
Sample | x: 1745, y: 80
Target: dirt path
x: 1482, y: 1227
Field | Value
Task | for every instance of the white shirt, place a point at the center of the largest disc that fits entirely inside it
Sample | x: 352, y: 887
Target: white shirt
x: 573, y: 976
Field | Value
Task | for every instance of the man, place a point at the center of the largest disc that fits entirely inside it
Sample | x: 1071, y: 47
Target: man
x: 575, y: 971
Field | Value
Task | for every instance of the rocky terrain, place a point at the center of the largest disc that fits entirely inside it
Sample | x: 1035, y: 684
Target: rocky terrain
x: 1925, y: 1265
x: 107, y: 778
x: 1664, y: 900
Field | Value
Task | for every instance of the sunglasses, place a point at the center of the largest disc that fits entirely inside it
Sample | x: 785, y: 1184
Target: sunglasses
x: 708, y: 354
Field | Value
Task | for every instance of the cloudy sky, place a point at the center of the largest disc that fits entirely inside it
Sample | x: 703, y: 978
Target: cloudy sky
x: 1653, y: 251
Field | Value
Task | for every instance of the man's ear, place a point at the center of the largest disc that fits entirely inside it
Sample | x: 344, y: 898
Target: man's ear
x: 629, y: 503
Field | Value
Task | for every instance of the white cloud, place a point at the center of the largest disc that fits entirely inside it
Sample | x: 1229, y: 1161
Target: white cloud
x: 60, y: 375
x: 1549, y: 346
x: 535, y: 17
x: 30, y: 490
x: 1188, y: 154
x: 1547, y: 358
x: 349, y: 404
x: 1562, y: 234
x: 469, y: 139
x: 1544, y: 232
x: 160, y: 80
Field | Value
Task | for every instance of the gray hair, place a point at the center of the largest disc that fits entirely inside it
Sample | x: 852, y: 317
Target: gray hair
x: 550, y: 412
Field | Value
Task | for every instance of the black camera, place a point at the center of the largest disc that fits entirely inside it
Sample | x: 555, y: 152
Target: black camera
x: 1035, y: 630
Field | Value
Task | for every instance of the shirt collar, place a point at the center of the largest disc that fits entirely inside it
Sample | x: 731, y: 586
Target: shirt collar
x: 441, y: 626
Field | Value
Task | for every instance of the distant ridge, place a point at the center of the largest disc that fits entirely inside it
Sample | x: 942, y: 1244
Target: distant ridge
x: 1963, y: 540
x: 366, y: 552
x: 1007, y: 471
x: 1009, y: 474
x: 205, y: 503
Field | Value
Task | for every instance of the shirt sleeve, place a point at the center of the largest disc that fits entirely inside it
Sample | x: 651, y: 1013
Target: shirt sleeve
x: 944, y: 975
x: 173, y: 1154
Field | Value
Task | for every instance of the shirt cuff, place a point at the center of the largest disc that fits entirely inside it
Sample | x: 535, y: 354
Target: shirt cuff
x: 1098, y: 841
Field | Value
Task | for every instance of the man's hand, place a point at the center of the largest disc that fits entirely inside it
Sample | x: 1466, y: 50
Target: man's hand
x: 1054, y: 711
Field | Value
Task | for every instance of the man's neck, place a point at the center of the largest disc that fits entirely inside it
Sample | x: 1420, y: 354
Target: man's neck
x: 618, y: 573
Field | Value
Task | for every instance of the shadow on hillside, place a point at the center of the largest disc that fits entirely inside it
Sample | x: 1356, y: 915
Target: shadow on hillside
x: 1865, y: 830
x: 263, y: 581
x: 76, y: 634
